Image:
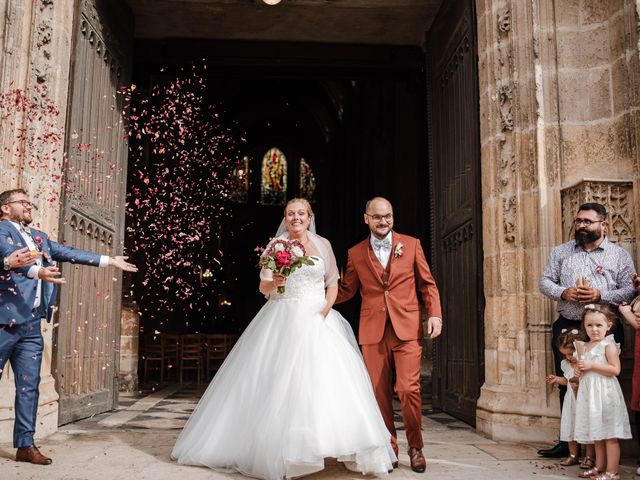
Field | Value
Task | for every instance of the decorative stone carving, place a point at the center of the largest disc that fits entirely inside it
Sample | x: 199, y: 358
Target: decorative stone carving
x: 505, y: 99
x: 504, y: 21
x: 509, y: 214
x: 616, y: 196
x: 41, y: 59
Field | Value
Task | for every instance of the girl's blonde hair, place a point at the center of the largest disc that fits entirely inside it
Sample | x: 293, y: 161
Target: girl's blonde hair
x: 303, y: 201
x: 601, y: 309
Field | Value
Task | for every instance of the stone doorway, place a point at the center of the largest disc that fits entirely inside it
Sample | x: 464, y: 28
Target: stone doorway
x: 386, y: 69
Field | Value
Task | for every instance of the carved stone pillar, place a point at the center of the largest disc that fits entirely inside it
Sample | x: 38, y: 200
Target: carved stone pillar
x: 520, y: 173
x: 129, y: 341
x: 35, y: 58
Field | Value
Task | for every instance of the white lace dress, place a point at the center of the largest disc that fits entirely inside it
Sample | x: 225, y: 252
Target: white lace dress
x: 567, y: 421
x: 292, y: 392
x: 601, y: 412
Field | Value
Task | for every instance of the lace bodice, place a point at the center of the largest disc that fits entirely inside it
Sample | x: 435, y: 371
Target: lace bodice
x: 305, y: 283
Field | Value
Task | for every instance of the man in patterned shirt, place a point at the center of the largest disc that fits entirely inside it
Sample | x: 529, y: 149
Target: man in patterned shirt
x: 604, y: 272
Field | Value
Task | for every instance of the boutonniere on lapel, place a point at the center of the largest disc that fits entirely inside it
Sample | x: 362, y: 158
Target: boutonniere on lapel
x: 600, y: 269
x: 39, y: 240
x: 397, y: 253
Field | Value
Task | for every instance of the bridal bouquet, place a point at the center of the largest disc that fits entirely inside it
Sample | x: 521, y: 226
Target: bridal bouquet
x: 284, y: 257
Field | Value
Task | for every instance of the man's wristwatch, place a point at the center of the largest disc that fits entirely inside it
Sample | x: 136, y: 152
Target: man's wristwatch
x: 5, y: 262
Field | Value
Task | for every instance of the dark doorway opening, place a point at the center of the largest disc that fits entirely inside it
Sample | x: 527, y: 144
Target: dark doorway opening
x: 355, y: 114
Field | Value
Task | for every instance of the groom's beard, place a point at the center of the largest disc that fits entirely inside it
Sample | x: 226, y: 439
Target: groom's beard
x: 584, y: 237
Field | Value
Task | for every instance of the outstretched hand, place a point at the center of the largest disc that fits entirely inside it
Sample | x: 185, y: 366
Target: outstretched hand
x: 23, y: 257
x: 120, y: 262
x: 51, y: 275
x: 551, y: 379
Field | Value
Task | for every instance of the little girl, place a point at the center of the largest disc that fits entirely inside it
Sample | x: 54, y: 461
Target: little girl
x: 566, y: 346
x: 601, y: 414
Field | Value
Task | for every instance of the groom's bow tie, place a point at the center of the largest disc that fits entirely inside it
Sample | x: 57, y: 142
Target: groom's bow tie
x: 378, y: 244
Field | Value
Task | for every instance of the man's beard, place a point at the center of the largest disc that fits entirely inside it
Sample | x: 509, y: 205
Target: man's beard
x: 583, y: 237
x: 22, y: 220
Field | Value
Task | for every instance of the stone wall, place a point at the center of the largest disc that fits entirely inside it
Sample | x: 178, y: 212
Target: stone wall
x: 35, y: 52
x: 558, y: 106
x: 129, y: 342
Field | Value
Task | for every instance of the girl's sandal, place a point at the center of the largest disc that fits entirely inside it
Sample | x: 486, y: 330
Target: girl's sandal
x: 569, y: 461
x: 592, y: 472
x: 587, y: 463
x: 607, y: 476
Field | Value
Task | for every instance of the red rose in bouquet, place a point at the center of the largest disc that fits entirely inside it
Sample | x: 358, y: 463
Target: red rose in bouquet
x: 284, y: 257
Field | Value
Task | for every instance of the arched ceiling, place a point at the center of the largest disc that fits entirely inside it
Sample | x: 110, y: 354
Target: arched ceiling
x: 367, y: 22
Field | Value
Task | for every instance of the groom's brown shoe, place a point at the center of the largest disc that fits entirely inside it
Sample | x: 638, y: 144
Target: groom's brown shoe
x: 418, y: 463
x: 32, y: 455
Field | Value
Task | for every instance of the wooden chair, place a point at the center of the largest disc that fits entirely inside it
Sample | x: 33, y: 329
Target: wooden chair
x: 191, y: 355
x: 216, y: 349
x: 171, y: 344
x: 153, y: 352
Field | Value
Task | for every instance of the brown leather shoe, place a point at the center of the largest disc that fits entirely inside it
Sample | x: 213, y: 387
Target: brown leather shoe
x: 418, y: 463
x: 32, y: 455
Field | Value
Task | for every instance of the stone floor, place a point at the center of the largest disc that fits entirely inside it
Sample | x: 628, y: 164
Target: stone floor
x: 135, y: 441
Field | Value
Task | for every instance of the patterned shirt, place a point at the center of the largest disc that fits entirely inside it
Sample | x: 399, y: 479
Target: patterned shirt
x: 609, y: 268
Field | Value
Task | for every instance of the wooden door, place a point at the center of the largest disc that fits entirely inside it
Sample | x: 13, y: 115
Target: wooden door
x: 454, y: 150
x: 87, y: 338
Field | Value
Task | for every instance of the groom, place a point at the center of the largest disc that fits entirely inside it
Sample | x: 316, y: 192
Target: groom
x: 388, y: 268
x: 27, y: 294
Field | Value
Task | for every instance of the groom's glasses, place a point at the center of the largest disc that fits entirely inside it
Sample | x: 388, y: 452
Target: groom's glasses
x: 24, y: 203
x: 377, y: 218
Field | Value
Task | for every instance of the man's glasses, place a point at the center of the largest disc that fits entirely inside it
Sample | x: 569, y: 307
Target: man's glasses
x: 24, y: 203
x: 377, y: 218
x: 586, y: 222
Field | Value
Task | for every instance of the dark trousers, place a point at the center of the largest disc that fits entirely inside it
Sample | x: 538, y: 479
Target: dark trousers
x: 563, y: 323
x: 23, y: 345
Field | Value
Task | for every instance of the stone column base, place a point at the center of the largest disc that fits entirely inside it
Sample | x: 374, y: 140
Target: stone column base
x: 509, y: 416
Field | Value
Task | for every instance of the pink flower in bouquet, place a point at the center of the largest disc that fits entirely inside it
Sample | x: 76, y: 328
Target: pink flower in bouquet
x: 283, y: 259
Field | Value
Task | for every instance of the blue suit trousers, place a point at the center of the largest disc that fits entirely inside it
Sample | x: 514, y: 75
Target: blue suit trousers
x: 22, y: 344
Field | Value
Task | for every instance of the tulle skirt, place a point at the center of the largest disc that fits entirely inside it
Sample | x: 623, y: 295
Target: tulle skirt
x: 292, y: 392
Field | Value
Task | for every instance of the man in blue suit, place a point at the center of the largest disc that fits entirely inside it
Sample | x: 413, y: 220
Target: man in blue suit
x: 27, y: 294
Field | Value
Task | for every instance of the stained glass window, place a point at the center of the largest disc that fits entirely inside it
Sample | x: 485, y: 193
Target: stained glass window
x: 274, y: 178
x: 307, y: 181
x: 240, y: 181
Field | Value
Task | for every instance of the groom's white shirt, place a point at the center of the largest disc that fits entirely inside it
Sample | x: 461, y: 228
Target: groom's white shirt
x: 382, y: 253
x: 35, y: 269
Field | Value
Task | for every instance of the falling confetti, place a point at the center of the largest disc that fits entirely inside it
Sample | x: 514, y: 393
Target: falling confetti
x: 180, y: 162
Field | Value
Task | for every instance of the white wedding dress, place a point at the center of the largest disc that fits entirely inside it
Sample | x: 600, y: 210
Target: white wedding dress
x: 292, y: 392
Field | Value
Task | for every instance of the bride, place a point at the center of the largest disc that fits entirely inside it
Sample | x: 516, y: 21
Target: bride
x: 294, y: 390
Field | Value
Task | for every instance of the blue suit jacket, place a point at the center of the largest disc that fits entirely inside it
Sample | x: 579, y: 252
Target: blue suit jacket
x: 17, y: 291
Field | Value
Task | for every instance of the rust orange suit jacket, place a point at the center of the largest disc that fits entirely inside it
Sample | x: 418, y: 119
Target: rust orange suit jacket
x: 408, y: 274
